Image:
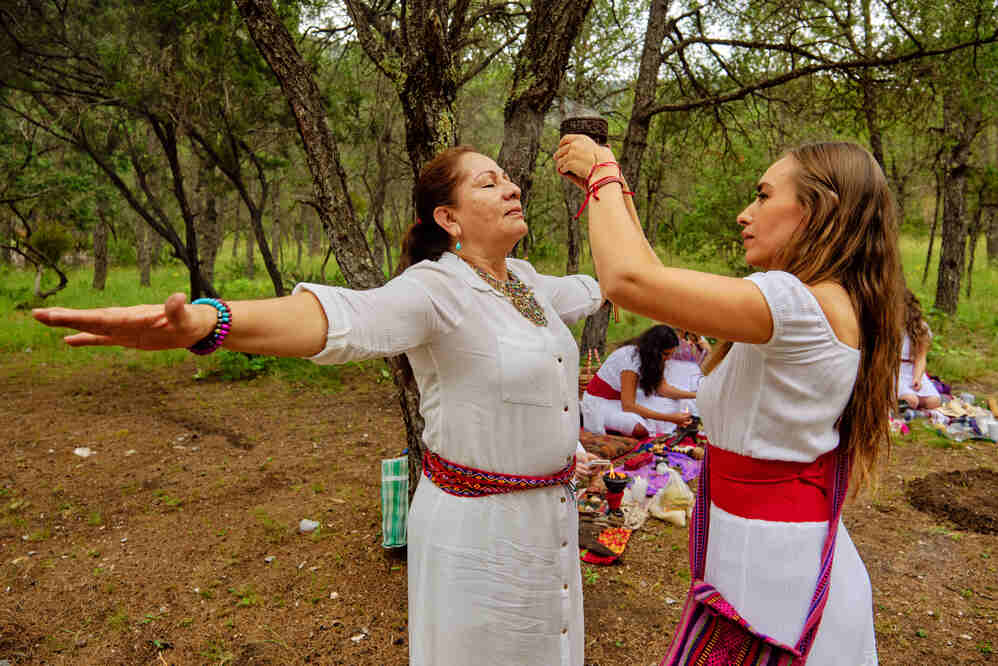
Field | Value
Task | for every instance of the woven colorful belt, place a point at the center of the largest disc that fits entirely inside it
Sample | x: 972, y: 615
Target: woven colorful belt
x: 462, y: 481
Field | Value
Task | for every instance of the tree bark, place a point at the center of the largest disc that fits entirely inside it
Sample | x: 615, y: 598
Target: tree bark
x: 250, y: 268
x: 101, y: 233
x: 960, y: 127
x: 6, y: 239
x: 209, y: 226
x: 143, y: 251
x: 992, y: 235
x: 937, y: 206
x: 636, y: 139
x: 594, y: 332
x: 552, y: 29
x: 329, y: 184
x: 573, y: 200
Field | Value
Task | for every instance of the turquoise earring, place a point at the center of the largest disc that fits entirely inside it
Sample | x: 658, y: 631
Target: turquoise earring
x: 458, y: 246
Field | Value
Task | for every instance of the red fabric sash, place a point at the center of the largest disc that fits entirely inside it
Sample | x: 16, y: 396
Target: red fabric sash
x: 601, y: 389
x: 456, y: 479
x: 772, y: 490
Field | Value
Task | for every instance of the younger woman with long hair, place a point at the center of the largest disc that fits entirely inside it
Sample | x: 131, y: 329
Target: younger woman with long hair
x: 913, y: 386
x: 626, y: 394
x: 819, y: 320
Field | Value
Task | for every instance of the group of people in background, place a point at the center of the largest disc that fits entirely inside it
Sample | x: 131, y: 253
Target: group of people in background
x: 493, y: 561
x: 647, y: 386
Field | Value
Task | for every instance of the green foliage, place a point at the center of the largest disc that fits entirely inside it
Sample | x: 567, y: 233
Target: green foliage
x: 51, y: 240
x: 234, y: 366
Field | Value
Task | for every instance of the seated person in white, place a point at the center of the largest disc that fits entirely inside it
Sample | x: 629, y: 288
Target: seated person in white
x: 914, y: 387
x: 682, y: 370
x: 625, y: 396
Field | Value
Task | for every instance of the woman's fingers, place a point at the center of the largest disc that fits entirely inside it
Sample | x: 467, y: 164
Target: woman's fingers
x: 141, y: 326
x: 86, y: 340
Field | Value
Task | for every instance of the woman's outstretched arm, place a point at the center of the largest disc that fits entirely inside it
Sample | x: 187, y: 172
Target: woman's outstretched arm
x: 288, y: 326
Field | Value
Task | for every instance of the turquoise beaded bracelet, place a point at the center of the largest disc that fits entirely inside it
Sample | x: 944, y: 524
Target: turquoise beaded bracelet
x: 213, y: 340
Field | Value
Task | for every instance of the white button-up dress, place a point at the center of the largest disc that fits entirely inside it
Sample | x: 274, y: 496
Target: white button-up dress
x: 492, y: 580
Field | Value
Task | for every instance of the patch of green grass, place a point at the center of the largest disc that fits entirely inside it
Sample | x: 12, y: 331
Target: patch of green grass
x: 217, y: 653
x: 40, y: 534
x: 95, y: 518
x: 274, y: 530
x: 589, y: 575
x: 246, y: 596
x: 118, y: 620
x: 171, y: 503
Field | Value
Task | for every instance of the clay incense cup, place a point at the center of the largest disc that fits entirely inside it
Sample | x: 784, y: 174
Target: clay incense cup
x: 614, y: 490
x: 596, y: 128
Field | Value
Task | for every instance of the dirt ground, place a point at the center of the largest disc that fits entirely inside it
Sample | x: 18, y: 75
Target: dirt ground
x: 177, y: 542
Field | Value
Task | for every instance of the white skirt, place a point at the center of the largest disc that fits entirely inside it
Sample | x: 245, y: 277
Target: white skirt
x: 601, y: 414
x: 906, y: 375
x: 495, y: 580
x: 767, y: 570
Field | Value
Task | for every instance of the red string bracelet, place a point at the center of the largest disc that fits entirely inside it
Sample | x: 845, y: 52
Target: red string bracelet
x: 600, y: 165
x: 594, y: 188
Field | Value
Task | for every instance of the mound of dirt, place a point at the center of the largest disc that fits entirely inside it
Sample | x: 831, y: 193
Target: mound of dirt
x: 966, y: 498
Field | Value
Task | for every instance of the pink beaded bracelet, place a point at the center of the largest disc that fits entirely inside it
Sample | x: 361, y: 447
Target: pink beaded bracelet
x: 213, y: 340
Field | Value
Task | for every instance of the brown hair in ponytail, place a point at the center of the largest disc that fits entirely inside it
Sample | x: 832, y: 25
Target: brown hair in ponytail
x: 435, y: 187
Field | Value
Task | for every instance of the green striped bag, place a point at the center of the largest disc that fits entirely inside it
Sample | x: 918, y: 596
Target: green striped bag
x: 394, y: 501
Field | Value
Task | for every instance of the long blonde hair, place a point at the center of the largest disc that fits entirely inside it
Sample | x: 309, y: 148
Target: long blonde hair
x: 850, y: 237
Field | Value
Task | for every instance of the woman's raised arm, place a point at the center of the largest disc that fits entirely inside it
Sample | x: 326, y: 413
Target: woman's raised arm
x: 288, y: 326
x: 632, y: 276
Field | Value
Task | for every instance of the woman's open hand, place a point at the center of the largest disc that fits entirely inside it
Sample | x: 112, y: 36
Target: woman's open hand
x: 169, y: 326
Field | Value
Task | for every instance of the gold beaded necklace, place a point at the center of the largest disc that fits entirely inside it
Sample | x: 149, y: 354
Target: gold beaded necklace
x: 519, y: 294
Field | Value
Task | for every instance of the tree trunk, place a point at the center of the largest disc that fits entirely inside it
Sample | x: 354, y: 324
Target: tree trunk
x: 329, y: 182
x: 250, y: 269
x: 992, y: 235
x: 277, y: 226
x: 636, y: 139
x: 573, y: 199
x: 209, y: 227
x: 6, y: 240
x: 143, y: 251
x: 299, y: 231
x: 973, y: 233
x: 960, y: 126
x: 314, y: 233
x: 937, y: 206
x: 101, y: 233
x: 594, y: 332
x: 552, y: 29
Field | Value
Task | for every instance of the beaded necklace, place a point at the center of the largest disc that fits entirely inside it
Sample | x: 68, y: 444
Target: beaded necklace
x: 519, y: 294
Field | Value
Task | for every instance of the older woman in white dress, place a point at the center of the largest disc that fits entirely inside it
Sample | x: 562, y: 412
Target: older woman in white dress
x: 820, y: 320
x: 494, y: 578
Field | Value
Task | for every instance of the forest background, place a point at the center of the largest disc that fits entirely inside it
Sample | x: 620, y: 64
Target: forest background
x: 217, y: 135
x: 236, y: 147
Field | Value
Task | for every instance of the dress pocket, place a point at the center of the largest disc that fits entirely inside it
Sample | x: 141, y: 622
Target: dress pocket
x: 528, y: 372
